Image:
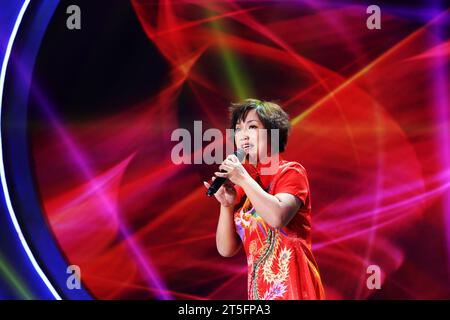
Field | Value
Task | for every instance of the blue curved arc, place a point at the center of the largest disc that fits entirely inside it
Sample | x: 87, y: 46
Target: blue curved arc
x: 12, y: 214
x: 21, y: 200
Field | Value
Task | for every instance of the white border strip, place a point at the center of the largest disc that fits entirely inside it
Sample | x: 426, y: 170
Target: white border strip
x: 2, y: 169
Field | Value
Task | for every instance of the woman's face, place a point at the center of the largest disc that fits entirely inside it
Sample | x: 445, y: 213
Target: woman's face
x: 250, y: 137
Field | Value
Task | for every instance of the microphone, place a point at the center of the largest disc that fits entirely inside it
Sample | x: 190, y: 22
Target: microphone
x: 218, y: 182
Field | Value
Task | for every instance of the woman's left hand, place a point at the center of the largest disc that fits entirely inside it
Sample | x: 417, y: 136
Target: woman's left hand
x: 235, y: 171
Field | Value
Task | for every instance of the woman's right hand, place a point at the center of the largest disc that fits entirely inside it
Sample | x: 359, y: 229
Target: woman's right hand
x: 226, y: 194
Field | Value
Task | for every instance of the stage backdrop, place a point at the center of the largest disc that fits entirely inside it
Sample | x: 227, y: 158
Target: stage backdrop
x: 370, y: 123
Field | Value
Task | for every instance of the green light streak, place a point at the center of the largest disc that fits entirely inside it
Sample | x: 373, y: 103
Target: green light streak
x: 233, y: 68
x: 8, y: 274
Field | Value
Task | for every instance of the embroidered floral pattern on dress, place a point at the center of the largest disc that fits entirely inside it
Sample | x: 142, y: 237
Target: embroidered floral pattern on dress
x: 280, y: 261
x: 261, y: 261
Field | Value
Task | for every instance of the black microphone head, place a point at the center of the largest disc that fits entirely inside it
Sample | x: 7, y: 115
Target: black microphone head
x: 240, y: 154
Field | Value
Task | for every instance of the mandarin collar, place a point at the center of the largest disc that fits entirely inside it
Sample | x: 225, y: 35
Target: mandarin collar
x: 255, y: 172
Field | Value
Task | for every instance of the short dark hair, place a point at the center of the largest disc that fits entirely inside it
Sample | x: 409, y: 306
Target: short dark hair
x: 270, y: 114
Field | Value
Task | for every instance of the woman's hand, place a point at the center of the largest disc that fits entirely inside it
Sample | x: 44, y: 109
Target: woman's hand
x: 234, y: 170
x: 226, y: 194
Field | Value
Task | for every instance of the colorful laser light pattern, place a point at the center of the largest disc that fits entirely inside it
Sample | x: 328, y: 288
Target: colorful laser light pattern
x: 370, y: 119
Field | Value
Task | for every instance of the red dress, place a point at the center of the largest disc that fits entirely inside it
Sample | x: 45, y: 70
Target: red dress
x: 281, y: 265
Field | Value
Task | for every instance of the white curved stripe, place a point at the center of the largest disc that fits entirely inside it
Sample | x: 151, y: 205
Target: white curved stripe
x: 2, y: 169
